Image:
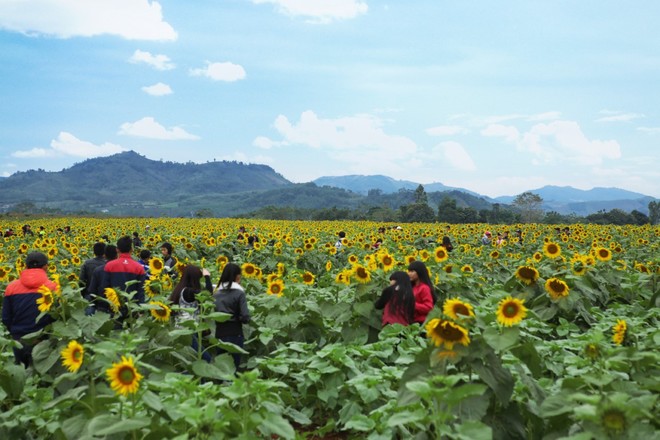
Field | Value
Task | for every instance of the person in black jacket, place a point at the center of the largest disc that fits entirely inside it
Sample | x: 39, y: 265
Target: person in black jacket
x: 230, y: 298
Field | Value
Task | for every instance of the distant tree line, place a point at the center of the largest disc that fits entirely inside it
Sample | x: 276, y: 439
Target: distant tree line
x: 525, y: 208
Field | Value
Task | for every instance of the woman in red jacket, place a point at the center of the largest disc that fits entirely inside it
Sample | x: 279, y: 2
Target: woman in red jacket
x: 425, y: 297
x: 397, y: 300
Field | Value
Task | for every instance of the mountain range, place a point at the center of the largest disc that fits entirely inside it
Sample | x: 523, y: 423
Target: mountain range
x: 131, y: 184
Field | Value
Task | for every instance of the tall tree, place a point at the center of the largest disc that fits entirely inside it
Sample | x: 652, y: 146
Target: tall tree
x: 654, y: 212
x: 530, y: 207
x: 420, y: 195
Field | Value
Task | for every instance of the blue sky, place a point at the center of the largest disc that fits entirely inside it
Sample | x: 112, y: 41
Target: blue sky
x: 495, y: 97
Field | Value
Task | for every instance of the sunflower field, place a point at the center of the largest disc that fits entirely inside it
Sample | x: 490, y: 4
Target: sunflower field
x: 552, y: 337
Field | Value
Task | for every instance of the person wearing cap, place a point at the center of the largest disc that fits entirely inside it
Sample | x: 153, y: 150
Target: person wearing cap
x: 20, y: 309
x: 486, y: 239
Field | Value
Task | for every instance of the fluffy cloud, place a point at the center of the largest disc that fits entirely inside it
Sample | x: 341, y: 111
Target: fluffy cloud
x: 158, y: 62
x: 565, y: 141
x: 129, y: 19
x: 319, y: 11
x: 147, y: 127
x: 557, y: 141
x: 358, y: 141
x: 67, y: 144
x: 220, y: 71
x: 445, y: 130
x: 650, y: 130
x: 456, y: 155
x: 158, y: 89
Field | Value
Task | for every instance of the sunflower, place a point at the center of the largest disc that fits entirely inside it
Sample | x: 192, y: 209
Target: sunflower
x: 362, y: 274
x: 45, y: 302
x: 151, y: 287
x: 275, y: 287
x: 221, y: 261
x: 578, y: 266
x: 343, y: 277
x: 619, y: 331
x: 123, y: 376
x: 511, y: 311
x: 448, y: 268
x: 387, y: 261
x: 457, y: 309
x: 72, y: 356
x: 527, y: 274
x: 537, y: 256
x: 161, y: 312
x: 495, y: 255
x: 592, y: 351
x: 308, y: 278
x: 4, y: 273
x: 328, y: 266
x: 556, y: 288
x: 641, y: 267
x: 249, y: 270
x: 551, y: 250
x: 156, y: 265
x: 445, y: 332
x: 440, y: 254
x: 467, y: 269
x: 613, y: 420
x: 113, y: 298
x: 603, y: 254
x: 352, y: 259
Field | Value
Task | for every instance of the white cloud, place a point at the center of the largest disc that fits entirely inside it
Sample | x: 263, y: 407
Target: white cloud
x: 565, y: 141
x: 220, y: 71
x: 445, y: 130
x: 619, y: 116
x: 158, y: 89
x: 265, y: 143
x: 357, y: 141
x: 147, y: 127
x: 129, y: 19
x: 319, y: 11
x: 67, y: 144
x: 456, y: 155
x: 158, y: 62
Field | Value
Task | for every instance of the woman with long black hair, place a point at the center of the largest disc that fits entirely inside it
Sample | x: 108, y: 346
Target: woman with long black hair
x: 425, y: 297
x: 397, y: 300
x: 184, y: 295
x: 230, y: 298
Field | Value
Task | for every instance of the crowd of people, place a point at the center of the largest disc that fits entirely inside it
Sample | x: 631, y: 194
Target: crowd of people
x: 407, y: 300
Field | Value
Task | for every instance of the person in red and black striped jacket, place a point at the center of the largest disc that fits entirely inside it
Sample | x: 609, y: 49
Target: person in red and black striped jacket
x: 19, y: 307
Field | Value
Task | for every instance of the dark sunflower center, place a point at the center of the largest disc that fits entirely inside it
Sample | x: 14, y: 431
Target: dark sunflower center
x: 553, y: 249
x: 558, y: 287
x: 361, y: 272
x: 510, y: 310
x: 387, y: 261
x: 126, y: 375
x: 77, y: 355
x: 275, y: 288
x: 527, y: 273
x: 449, y: 332
x: 461, y: 309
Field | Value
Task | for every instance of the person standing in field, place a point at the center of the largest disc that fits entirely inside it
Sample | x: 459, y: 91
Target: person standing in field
x: 184, y: 295
x: 230, y: 298
x: 397, y: 300
x: 87, y: 269
x: 20, y: 308
x: 168, y: 259
x: 119, y: 272
x: 423, y: 291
